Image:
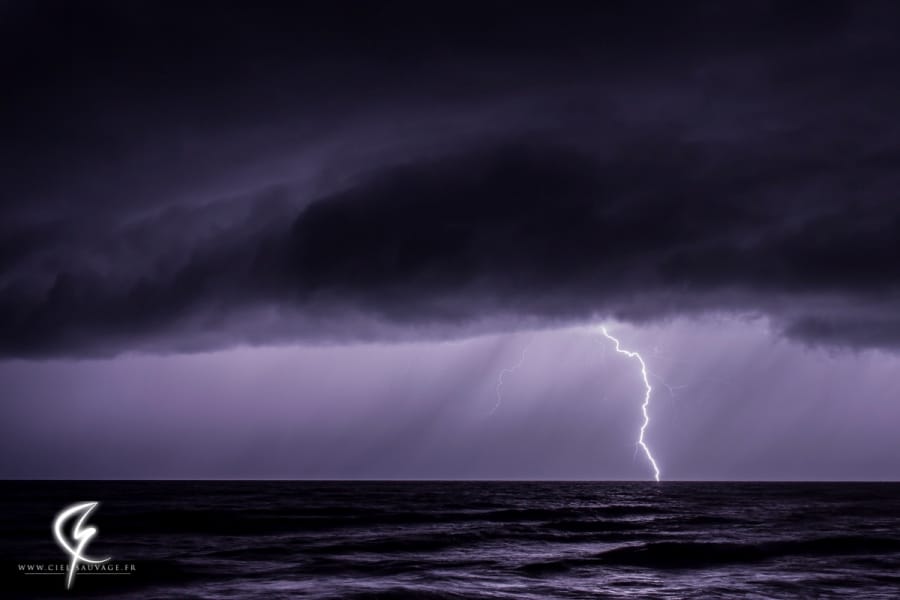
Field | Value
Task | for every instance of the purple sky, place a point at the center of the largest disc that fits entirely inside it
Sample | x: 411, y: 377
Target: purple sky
x: 743, y: 404
x: 295, y: 240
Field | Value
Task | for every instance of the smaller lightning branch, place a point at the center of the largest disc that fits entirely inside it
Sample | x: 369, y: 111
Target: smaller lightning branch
x: 649, y: 390
x: 507, y: 371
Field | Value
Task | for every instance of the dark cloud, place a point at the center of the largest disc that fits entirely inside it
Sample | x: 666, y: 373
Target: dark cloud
x: 261, y: 176
x: 527, y: 229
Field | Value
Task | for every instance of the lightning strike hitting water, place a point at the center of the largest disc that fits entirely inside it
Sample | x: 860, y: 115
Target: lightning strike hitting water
x: 635, y: 355
x: 507, y: 371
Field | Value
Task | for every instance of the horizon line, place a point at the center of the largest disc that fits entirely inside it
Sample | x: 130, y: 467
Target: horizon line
x: 434, y: 480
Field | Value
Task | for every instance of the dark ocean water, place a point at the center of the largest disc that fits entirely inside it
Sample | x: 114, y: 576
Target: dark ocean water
x: 464, y: 539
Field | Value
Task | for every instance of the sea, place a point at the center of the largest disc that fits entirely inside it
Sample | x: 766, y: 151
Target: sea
x: 443, y: 540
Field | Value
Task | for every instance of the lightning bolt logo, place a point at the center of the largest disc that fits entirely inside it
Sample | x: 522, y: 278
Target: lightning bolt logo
x: 645, y: 405
x: 81, y: 534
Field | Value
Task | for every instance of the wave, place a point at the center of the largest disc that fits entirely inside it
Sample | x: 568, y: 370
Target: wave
x: 693, y: 555
x: 403, y: 593
x: 602, y: 526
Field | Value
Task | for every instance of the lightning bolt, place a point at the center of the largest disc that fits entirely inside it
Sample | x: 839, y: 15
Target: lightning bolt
x: 649, y: 390
x: 507, y: 371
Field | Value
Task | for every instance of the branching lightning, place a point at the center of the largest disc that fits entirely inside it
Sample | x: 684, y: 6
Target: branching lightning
x: 507, y: 371
x: 646, y: 404
x: 630, y: 354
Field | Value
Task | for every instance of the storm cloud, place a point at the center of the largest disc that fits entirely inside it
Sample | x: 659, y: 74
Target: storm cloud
x: 352, y: 175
